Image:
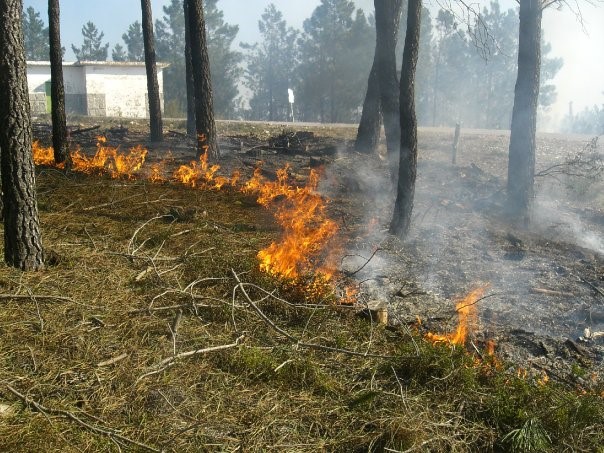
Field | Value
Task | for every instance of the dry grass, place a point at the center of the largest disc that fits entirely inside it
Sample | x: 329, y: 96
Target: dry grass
x: 138, y: 273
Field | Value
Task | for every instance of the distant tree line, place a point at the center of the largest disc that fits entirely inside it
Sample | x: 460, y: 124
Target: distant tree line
x: 327, y: 64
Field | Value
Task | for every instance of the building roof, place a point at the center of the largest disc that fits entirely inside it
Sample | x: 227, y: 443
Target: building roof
x: 99, y: 63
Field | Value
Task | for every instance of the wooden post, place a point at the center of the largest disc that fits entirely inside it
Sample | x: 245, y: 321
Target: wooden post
x: 455, y: 143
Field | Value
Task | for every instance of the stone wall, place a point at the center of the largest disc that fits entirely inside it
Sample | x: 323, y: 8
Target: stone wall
x: 37, y: 103
x: 95, y: 105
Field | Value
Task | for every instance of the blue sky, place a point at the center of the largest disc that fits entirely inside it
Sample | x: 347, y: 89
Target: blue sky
x: 581, y: 78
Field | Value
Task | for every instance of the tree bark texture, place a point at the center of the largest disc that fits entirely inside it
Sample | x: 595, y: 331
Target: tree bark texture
x: 407, y: 172
x: 387, y: 19
x: 189, y: 74
x: 60, y: 142
x: 521, y: 164
x: 155, y: 119
x: 368, y: 134
x: 22, y: 243
x: 204, y: 106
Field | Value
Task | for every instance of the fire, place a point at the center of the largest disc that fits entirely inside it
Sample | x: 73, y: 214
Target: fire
x: 43, y: 155
x: 466, y: 311
x: 109, y: 159
x: 491, y: 347
x: 300, y: 211
x: 307, y: 228
x: 202, y: 174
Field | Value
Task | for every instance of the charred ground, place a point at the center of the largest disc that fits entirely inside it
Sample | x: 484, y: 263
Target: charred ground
x: 138, y: 272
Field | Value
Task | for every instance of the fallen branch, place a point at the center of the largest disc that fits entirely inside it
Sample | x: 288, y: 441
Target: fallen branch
x: 294, y: 339
x: 168, y: 361
x: 113, y: 202
x: 103, y: 430
x: 350, y: 274
x: 165, y: 363
x: 180, y: 134
x: 550, y: 292
x: 112, y: 360
x: 84, y: 129
x: 36, y: 296
x: 592, y: 286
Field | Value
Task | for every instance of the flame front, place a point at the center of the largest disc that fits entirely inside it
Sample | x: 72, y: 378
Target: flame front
x: 301, y: 211
x: 109, y: 159
x: 467, y: 319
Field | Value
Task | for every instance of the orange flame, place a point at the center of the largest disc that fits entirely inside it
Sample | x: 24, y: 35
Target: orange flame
x: 301, y: 211
x: 466, y: 311
x: 307, y: 228
x: 490, y: 347
x: 109, y: 159
x: 200, y: 173
x: 43, y: 155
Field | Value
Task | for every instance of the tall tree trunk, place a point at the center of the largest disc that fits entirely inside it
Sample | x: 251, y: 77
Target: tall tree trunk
x: 22, y: 243
x: 407, y: 171
x: 521, y: 165
x: 368, y: 134
x: 189, y: 74
x: 204, y: 108
x: 155, y: 120
x: 57, y: 90
x: 387, y: 19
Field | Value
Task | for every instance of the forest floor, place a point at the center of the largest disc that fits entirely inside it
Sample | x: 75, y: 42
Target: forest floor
x: 139, y: 272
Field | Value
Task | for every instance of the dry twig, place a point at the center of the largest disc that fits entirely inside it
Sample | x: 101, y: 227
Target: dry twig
x: 103, y: 430
x: 296, y: 340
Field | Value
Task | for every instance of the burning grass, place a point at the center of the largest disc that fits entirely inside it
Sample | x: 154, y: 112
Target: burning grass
x: 140, y: 272
x: 300, y: 211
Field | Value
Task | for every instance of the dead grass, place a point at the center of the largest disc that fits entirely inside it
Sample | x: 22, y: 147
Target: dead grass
x: 139, y: 273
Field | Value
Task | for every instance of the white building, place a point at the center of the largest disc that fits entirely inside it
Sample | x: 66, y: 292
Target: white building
x: 95, y: 88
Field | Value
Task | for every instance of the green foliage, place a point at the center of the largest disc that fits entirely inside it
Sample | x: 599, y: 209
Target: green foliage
x: 92, y: 48
x: 271, y: 67
x: 588, y: 121
x: 135, y: 44
x: 531, y: 437
x: 469, y: 77
x: 35, y: 34
x: 224, y: 62
x: 118, y: 53
x: 336, y: 51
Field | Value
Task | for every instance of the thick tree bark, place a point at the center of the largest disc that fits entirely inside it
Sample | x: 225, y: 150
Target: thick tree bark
x: 189, y: 74
x: 368, y: 134
x: 60, y: 143
x: 22, y: 243
x: 155, y: 120
x: 387, y: 19
x: 521, y: 165
x: 405, y: 191
x: 204, y: 108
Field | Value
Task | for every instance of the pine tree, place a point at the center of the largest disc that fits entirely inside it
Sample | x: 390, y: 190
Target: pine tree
x: 37, y: 46
x: 118, y: 53
x: 170, y: 45
x: 57, y: 91
x: 155, y: 118
x: 22, y: 242
x: 335, y: 55
x: 407, y: 168
x: 92, y: 48
x: 271, y: 67
x: 205, y: 126
x: 133, y: 39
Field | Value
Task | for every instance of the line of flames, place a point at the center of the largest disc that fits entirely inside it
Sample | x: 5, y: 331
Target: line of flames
x: 301, y: 211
